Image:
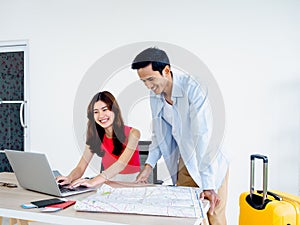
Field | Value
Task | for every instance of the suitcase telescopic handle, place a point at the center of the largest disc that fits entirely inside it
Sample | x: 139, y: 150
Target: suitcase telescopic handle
x: 265, y: 175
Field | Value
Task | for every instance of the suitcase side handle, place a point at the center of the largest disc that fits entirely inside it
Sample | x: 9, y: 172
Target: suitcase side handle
x: 275, y: 196
x: 265, y: 175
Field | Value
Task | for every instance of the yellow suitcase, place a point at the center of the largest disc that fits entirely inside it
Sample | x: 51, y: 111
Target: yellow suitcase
x: 265, y: 207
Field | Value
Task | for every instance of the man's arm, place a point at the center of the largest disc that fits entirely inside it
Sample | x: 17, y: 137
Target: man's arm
x: 154, y: 155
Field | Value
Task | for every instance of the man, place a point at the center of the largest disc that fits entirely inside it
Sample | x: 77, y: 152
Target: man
x: 182, y: 125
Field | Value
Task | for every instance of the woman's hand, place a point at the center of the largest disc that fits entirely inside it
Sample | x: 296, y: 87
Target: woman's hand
x: 95, y: 182
x: 62, y: 180
x: 82, y: 182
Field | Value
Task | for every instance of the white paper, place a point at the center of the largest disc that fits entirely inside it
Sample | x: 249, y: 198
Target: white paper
x: 158, y: 200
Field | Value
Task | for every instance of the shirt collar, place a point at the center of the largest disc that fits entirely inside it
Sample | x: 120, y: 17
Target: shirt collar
x: 177, y: 91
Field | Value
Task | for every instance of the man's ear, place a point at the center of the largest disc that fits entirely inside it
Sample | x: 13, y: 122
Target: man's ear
x: 166, y: 70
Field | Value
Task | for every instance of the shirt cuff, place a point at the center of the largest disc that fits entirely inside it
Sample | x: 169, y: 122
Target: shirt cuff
x: 151, y: 163
x: 153, y: 156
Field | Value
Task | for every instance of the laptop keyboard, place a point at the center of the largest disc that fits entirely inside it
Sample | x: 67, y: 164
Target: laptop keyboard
x: 65, y: 189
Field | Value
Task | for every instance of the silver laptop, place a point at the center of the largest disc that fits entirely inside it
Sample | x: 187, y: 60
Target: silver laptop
x: 33, y: 172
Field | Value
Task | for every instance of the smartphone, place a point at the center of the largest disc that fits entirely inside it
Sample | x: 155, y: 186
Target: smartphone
x: 46, y: 202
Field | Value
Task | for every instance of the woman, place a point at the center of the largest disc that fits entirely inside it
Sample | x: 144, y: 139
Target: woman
x: 109, y: 138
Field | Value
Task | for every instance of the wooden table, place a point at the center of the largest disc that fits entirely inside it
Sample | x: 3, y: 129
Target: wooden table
x: 12, y: 198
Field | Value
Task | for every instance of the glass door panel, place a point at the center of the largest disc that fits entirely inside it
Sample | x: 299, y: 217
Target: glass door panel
x: 12, y: 132
x: 12, y: 101
x: 12, y: 76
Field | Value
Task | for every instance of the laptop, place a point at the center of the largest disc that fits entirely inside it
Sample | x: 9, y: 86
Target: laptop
x: 33, y: 172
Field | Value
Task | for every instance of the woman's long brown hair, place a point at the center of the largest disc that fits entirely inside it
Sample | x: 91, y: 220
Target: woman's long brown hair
x: 95, y: 132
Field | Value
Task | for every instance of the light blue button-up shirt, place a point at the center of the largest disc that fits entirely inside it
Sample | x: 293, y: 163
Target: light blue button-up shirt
x: 188, y: 136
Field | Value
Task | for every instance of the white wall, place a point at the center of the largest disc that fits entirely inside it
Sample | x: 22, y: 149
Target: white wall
x: 251, y: 47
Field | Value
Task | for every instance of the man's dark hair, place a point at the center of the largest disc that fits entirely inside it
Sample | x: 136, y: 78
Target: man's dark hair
x: 157, y: 57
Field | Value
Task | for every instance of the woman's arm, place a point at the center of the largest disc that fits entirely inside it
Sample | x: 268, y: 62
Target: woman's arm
x: 118, y: 166
x: 79, y: 170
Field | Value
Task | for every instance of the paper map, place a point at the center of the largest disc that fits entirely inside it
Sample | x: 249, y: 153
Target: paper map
x: 158, y: 200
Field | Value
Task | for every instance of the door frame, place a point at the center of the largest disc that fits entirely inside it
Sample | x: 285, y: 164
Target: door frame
x: 14, y: 46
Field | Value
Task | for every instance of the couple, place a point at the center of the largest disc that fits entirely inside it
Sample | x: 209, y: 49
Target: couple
x: 181, y: 128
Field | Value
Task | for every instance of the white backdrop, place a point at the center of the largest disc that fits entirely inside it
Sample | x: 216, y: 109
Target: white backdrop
x: 251, y: 47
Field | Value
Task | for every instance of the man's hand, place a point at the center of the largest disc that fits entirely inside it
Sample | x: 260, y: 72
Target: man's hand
x: 213, y: 198
x: 144, y: 174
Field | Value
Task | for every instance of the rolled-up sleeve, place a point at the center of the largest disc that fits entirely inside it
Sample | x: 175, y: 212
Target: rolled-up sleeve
x: 153, y: 157
x: 208, y: 178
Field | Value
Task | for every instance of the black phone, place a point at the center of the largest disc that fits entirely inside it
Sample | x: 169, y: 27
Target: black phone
x: 46, y: 202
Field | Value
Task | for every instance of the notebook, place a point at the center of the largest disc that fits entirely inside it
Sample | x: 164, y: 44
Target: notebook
x: 33, y: 172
